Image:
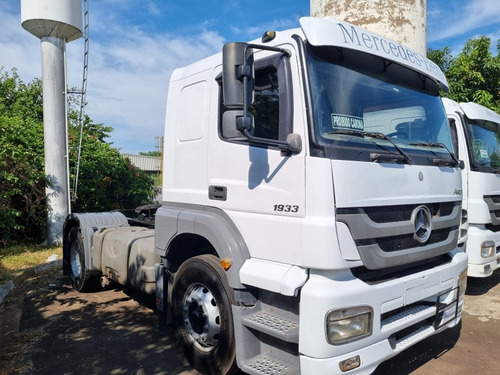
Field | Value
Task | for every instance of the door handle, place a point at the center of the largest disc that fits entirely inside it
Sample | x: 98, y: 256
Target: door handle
x: 218, y: 193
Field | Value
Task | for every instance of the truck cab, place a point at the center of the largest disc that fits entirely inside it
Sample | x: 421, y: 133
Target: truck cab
x: 477, y: 130
x: 310, y: 216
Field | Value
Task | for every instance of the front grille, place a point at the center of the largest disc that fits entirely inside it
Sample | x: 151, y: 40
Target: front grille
x: 389, y: 244
x: 385, y: 235
x: 387, y: 214
x: 495, y: 198
x: 373, y: 277
x: 493, y: 203
x: 493, y: 228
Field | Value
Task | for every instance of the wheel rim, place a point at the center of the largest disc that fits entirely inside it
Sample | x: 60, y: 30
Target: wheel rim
x: 201, y: 316
x: 74, y: 256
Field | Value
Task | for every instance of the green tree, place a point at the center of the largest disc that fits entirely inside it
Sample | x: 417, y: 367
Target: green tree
x: 473, y: 75
x: 442, y: 57
x: 106, y: 179
x: 22, y: 185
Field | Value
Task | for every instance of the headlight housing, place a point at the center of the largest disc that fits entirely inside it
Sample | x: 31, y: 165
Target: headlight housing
x: 346, y: 325
x: 487, y: 249
x: 462, y: 284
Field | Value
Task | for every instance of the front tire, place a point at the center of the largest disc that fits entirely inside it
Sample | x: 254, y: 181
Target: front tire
x: 81, y: 278
x: 203, y: 319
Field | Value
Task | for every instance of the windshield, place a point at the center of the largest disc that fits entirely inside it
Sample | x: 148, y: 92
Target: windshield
x: 369, y: 109
x: 484, y: 141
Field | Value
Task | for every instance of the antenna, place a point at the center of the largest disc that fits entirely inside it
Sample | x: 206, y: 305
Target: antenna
x: 82, y: 93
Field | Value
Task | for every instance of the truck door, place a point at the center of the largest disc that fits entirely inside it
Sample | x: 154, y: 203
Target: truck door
x: 262, y: 190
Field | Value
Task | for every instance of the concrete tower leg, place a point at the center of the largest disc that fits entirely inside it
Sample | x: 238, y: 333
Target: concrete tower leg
x: 404, y: 21
x: 55, y: 135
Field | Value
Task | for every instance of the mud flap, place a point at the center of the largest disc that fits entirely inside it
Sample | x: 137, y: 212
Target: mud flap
x: 161, y: 293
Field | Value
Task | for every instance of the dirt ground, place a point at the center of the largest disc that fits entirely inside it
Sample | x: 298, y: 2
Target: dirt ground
x: 47, y: 328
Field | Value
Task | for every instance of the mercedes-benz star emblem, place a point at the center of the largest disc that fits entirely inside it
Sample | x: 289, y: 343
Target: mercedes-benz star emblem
x: 422, y: 222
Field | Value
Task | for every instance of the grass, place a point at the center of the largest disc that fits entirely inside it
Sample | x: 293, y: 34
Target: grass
x: 14, y: 259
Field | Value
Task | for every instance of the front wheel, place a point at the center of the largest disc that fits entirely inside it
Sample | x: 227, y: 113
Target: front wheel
x: 201, y: 306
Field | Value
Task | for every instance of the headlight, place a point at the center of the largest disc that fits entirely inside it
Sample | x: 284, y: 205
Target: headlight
x: 462, y: 284
x: 350, y: 324
x: 487, y: 249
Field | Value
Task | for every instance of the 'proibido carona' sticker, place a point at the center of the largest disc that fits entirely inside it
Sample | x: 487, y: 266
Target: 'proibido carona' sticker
x: 347, y: 122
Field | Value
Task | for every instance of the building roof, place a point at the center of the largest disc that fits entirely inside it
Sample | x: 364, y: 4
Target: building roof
x: 146, y: 163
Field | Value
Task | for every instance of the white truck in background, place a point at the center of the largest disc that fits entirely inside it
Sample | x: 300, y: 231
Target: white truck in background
x: 310, y: 215
x: 477, y: 143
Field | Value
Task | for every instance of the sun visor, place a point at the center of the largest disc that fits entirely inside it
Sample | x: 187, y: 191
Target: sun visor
x: 476, y: 111
x: 330, y: 31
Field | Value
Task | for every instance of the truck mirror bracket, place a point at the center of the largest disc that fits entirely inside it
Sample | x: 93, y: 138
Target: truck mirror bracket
x: 244, y: 123
x: 243, y: 71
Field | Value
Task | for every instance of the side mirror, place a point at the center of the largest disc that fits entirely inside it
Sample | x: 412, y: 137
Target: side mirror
x: 238, y: 82
x: 237, y: 64
x: 237, y: 89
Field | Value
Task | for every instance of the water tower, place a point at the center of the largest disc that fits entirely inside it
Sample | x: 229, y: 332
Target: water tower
x: 402, y: 21
x: 55, y: 22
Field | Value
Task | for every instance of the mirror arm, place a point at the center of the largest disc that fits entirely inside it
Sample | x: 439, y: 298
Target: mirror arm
x: 284, y: 146
x: 268, y: 48
x: 245, y: 71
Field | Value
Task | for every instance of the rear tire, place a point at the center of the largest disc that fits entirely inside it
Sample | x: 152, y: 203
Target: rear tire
x: 203, y: 319
x: 82, y: 279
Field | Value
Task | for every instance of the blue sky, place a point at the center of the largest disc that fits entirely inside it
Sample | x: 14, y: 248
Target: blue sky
x: 135, y: 45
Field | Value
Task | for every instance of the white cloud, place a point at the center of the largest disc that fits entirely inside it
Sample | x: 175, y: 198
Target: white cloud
x: 18, y: 48
x: 460, y: 18
x: 128, y: 81
x: 256, y: 30
x: 130, y: 63
x: 153, y: 8
x: 128, y: 75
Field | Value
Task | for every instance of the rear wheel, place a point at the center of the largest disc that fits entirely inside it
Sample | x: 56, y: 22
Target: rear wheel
x: 201, y: 305
x: 82, y: 279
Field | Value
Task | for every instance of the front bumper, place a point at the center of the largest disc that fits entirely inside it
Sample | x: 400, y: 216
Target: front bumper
x: 479, y: 266
x: 404, y: 313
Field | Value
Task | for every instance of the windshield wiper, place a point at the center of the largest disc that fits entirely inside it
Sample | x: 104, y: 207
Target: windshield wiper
x: 377, y: 156
x: 428, y: 144
x: 453, y: 162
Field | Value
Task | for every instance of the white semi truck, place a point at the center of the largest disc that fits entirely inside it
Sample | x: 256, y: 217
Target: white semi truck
x: 477, y: 143
x: 311, y: 207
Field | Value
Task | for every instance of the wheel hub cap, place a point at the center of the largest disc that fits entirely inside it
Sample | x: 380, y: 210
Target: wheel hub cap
x: 201, y: 316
